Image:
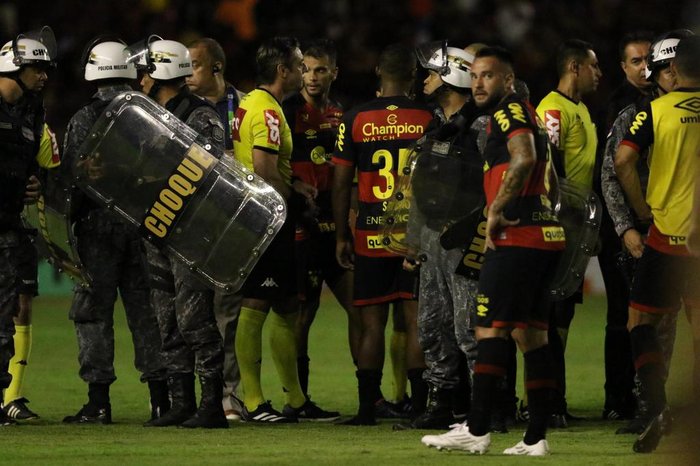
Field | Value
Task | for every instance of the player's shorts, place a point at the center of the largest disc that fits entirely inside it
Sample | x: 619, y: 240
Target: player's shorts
x: 274, y: 276
x: 661, y: 280
x: 316, y: 263
x: 514, y: 288
x: 380, y: 280
x: 27, y: 267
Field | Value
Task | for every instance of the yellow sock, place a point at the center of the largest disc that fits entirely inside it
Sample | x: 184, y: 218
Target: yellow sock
x: 397, y: 353
x: 284, y: 353
x: 249, y: 355
x: 18, y: 363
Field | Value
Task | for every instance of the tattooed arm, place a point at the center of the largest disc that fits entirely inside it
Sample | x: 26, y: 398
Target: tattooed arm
x: 522, y: 160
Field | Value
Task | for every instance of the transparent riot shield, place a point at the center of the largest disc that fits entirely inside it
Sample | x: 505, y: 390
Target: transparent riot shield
x: 50, y: 217
x: 148, y: 167
x: 440, y: 188
x: 579, y: 211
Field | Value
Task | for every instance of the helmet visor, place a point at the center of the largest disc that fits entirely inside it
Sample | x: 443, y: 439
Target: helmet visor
x: 433, y: 56
x: 139, y: 55
x: 46, y: 37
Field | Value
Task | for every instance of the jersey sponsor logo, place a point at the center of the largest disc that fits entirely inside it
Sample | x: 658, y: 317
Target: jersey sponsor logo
x: 553, y: 234
x: 482, y: 307
x: 318, y: 155
x: 375, y: 241
x: 676, y: 240
x: 517, y: 112
x: 341, y: 137
x: 552, y: 122
x: 638, y: 122
x: 55, y: 154
x: 269, y: 283
x: 502, y: 120
x: 181, y: 185
x: 236, y: 124
x: 374, y: 132
x: 272, y: 121
x: 692, y: 104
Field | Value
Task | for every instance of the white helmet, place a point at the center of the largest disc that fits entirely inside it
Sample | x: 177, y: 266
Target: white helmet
x: 108, y: 60
x: 23, y: 51
x: 161, y: 59
x: 663, y: 51
x: 451, y: 63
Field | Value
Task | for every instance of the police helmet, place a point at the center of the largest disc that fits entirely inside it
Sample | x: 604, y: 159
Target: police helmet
x: 107, y: 59
x: 161, y: 59
x: 663, y: 50
x: 451, y: 63
x: 31, y: 48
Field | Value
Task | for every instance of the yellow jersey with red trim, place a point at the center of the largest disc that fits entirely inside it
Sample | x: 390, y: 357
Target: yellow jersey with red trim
x: 259, y: 123
x: 670, y: 128
x: 572, y: 131
x: 48, y: 155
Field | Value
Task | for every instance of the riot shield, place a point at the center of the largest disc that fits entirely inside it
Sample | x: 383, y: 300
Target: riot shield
x: 439, y: 187
x: 579, y: 211
x: 50, y: 216
x: 154, y: 172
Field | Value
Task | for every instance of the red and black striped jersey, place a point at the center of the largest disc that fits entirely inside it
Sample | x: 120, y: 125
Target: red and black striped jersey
x: 374, y: 138
x: 538, y: 228
x: 313, y: 133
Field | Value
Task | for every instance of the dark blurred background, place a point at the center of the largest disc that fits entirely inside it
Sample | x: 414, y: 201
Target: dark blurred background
x: 532, y: 29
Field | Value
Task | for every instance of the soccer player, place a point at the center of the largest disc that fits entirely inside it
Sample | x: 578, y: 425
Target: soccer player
x: 572, y: 131
x: 207, y: 81
x: 262, y: 141
x: 669, y: 128
x: 520, y: 260
x: 373, y: 140
x: 313, y: 119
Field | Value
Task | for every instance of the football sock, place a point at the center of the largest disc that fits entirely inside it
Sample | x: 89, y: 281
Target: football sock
x: 489, y: 370
x: 540, y: 386
x: 249, y: 355
x: 303, y: 370
x: 284, y: 354
x: 397, y: 354
x: 648, y: 361
x: 18, y: 363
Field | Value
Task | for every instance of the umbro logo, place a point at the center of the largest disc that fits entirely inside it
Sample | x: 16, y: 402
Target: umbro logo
x: 269, y: 282
x: 692, y: 104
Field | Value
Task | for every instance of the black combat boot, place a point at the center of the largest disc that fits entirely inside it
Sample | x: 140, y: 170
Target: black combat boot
x: 184, y: 403
x: 160, y: 398
x: 210, y: 414
x: 97, y: 410
x: 438, y: 413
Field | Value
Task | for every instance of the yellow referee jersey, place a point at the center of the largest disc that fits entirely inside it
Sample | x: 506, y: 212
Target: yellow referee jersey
x: 48, y: 156
x: 572, y: 131
x: 259, y: 123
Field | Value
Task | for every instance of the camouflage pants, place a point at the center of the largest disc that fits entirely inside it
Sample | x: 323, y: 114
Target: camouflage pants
x: 112, y: 256
x: 185, y: 311
x: 445, y: 313
x: 9, y: 245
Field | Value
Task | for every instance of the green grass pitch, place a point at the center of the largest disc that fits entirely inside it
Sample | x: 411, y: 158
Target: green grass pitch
x: 53, y: 386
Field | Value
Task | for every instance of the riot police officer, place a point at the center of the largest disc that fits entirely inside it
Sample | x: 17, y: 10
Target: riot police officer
x: 112, y: 256
x: 191, y: 341
x: 24, y: 62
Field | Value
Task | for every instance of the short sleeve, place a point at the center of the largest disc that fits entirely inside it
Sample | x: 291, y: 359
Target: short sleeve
x: 511, y: 119
x: 555, y: 122
x: 640, y: 134
x: 265, y: 130
x: 344, y: 153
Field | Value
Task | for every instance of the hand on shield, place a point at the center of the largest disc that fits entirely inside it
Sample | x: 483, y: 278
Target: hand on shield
x: 33, y: 190
x: 91, y: 167
x: 410, y: 265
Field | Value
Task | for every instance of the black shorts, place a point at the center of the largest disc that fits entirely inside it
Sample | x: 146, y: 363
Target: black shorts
x: 514, y: 288
x: 316, y: 263
x: 661, y: 280
x: 380, y: 280
x: 27, y: 266
x: 274, y: 276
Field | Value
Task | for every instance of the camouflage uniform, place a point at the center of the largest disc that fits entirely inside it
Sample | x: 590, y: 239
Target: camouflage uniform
x: 446, y: 300
x: 112, y: 255
x: 21, y: 126
x: 623, y: 218
x: 183, y: 304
